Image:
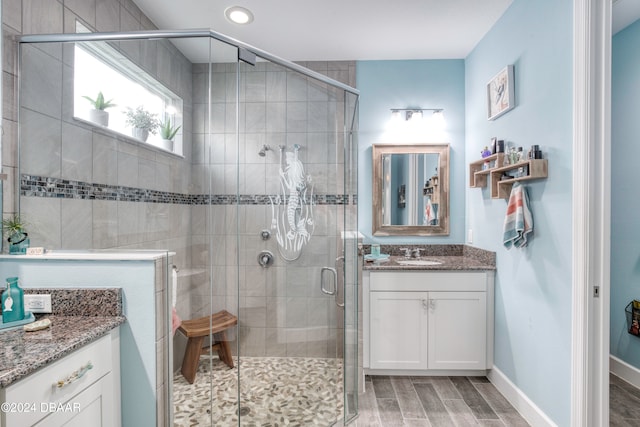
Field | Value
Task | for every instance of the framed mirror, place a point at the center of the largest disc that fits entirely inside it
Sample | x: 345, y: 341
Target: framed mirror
x: 411, y: 190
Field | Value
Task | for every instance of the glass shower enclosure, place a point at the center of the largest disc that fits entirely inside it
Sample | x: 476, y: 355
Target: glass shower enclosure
x: 254, y: 195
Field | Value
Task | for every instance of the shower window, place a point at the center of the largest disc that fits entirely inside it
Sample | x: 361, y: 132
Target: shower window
x: 101, y: 69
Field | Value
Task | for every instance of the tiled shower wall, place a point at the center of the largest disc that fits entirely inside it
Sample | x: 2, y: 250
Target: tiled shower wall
x: 160, y: 200
x: 282, y: 310
x: 59, y: 147
x: 58, y: 151
x: 104, y: 191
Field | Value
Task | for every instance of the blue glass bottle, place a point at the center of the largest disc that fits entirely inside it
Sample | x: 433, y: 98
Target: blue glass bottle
x: 12, y: 301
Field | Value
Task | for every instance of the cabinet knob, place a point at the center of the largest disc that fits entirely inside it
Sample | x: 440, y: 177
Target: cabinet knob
x: 425, y: 304
x: 432, y: 304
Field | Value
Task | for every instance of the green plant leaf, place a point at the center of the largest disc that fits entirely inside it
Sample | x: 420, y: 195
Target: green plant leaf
x: 12, y: 225
x: 167, y: 131
x: 99, y: 103
x: 141, y: 119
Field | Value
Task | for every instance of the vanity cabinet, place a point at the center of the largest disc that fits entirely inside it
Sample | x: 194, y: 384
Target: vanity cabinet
x: 81, y: 389
x: 427, y: 320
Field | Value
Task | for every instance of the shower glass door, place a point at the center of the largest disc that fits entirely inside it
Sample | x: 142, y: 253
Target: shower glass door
x: 297, y: 310
x: 254, y: 197
x: 352, y: 269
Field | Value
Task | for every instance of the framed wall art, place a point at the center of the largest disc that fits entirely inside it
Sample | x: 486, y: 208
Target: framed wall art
x: 500, y: 93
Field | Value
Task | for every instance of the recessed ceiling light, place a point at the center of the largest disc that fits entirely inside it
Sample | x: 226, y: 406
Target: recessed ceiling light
x: 238, y: 15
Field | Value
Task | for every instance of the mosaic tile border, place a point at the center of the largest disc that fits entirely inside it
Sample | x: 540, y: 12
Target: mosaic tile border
x: 40, y: 186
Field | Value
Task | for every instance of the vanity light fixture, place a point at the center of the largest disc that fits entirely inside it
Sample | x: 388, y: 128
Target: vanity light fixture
x: 438, y: 118
x: 238, y: 15
x: 415, y: 113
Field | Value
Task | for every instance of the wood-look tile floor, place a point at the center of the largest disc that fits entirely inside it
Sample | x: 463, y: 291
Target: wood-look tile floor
x: 624, y: 403
x: 434, y: 401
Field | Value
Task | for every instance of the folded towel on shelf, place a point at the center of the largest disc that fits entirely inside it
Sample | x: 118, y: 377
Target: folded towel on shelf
x: 518, y: 222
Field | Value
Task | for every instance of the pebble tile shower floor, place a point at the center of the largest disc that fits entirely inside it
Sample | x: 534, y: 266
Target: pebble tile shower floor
x: 276, y: 391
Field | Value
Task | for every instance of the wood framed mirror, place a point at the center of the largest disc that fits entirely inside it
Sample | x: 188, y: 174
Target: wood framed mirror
x: 410, y: 190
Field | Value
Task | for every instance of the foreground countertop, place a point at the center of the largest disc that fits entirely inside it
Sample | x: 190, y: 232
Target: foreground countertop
x: 23, y: 352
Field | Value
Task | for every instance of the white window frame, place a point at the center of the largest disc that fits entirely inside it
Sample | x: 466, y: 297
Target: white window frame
x: 119, y: 63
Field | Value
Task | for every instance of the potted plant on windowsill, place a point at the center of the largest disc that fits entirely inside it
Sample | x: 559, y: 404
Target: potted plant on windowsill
x: 142, y: 122
x: 14, y: 228
x: 168, y: 132
x: 98, y: 114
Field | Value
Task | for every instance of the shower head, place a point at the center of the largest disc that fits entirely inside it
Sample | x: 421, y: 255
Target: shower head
x: 263, y: 150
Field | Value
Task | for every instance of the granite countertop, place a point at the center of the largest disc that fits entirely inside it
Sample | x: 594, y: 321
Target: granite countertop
x: 80, y: 316
x: 447, y: 263
x: 23, y: 352
x: 449, y: 257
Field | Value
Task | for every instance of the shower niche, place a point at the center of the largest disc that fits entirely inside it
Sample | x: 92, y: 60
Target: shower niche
x: 266, y: 145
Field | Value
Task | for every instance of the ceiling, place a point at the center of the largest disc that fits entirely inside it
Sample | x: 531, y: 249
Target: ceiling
x: 625, y: 12
x: 323, y: 30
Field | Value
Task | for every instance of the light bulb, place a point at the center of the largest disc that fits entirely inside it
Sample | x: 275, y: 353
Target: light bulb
x: 238, y: 15
x: 416, y: 115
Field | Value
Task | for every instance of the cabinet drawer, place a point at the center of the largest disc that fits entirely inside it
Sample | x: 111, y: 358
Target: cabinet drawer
x: 38, y: 391
x: 427, y: 281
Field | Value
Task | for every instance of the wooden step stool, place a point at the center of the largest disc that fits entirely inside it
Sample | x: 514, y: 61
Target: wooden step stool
x: 196, y: 330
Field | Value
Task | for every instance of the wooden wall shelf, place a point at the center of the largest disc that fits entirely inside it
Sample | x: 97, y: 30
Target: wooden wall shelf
x: 478, y: 175
x: 501, y: 188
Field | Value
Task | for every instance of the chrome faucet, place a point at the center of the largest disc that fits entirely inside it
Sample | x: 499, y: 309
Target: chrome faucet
x: 411, y: 253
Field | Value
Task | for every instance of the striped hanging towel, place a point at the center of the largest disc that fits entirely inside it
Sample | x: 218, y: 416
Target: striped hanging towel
x: 429, y: 214
x: 518, y: 222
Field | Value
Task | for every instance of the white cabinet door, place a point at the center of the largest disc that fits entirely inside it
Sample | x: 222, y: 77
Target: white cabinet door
x: 457, y: 330
x: 92, y: 407
x: 91, y: 399
x: 398, y: 330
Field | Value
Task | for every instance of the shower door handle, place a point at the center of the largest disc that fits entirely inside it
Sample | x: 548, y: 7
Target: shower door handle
x: 334, y: 278
x: 340, y: 259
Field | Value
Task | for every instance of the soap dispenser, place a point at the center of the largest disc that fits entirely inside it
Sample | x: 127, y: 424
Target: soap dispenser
x: 12, y: 301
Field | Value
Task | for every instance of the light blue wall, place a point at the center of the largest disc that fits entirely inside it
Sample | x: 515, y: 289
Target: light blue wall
x: 625, y: 176
x: 533, y: 285
x: 411, y: 84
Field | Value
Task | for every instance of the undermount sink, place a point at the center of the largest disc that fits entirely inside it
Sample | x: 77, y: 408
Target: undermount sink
x: 418, y: 262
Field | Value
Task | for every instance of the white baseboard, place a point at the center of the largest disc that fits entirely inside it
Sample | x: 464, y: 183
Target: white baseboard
x: 519, y: 400
x: 622, y: 369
